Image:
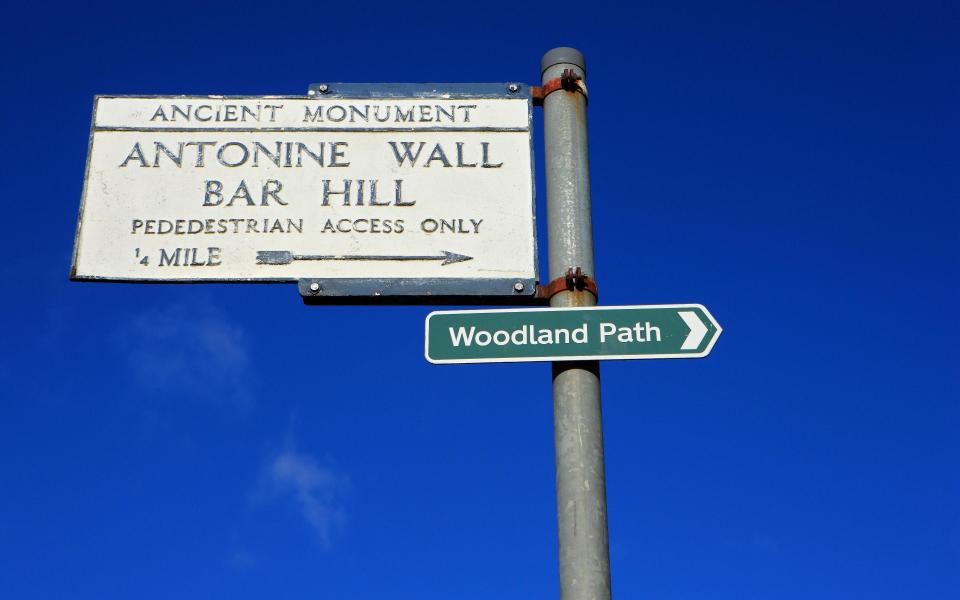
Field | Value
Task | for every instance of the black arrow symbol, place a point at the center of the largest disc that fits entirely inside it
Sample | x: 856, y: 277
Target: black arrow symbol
x: 283, y: 257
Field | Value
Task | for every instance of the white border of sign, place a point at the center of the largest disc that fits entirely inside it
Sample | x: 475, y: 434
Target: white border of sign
x: 705, y: 352
x: 386, y: 290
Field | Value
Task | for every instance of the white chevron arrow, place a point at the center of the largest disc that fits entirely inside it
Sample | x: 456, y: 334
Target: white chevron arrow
x: 697, y: 330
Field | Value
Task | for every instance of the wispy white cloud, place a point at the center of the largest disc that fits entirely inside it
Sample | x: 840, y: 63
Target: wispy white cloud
x: 314, y: 489
x: 242, y: 560
x: 190, y: 350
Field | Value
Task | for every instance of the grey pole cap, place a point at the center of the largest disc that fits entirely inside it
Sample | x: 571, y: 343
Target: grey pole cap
x: 563, y: 54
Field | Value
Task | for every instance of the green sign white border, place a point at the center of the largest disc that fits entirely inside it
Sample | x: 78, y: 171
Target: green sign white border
x: 701, y: 354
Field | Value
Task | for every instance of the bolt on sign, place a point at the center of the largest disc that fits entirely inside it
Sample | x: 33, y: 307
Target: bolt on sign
x: 558, y: 334
x: 354, y: 189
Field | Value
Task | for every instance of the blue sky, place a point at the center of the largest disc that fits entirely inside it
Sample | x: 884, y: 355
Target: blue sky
x: 791, y: 165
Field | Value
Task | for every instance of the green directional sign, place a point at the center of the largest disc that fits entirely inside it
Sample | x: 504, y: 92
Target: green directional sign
x: 553, y: 334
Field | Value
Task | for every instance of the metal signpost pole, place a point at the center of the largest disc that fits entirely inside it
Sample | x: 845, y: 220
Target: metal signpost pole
x: 578, y: 427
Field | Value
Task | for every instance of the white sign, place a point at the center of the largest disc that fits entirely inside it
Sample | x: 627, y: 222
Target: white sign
x: 423, y: 185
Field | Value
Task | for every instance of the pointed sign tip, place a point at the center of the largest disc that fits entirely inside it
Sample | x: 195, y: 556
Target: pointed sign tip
x: 453, y: 257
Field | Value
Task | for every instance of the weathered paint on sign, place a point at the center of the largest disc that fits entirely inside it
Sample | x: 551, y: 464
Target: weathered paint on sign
x: 403, y: 183
x: 558, y: 334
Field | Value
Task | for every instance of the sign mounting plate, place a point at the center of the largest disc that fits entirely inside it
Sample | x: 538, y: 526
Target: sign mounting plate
x: 377, y: 190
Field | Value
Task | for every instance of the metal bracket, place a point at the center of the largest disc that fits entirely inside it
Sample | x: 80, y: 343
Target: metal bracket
x: 414, y: 291
x: 573, y: 280
x: 568, y: 81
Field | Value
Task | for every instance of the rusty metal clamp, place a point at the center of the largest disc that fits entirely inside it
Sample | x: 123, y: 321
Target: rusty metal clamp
x: 573, y: 280
x: 568, y: 81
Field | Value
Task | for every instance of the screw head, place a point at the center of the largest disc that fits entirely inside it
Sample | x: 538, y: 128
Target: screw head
x: 513, y: 88
x: 314, y: 287
x: 323, y: 88
x: 518, y: 286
